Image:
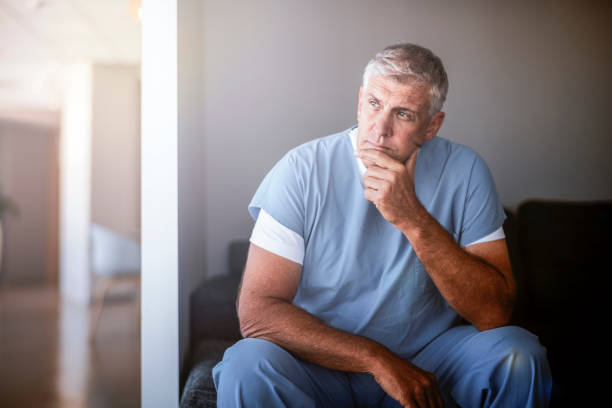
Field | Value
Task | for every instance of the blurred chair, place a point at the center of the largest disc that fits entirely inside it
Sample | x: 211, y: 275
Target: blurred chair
x: 115, y: 260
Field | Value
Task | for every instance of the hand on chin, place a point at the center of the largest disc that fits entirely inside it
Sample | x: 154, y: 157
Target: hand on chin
x: 369, y: 163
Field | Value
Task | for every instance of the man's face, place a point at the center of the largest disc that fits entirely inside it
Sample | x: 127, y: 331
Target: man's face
x: 393, y: 117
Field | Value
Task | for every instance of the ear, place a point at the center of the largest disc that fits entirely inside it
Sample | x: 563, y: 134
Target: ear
x: 435, y: 123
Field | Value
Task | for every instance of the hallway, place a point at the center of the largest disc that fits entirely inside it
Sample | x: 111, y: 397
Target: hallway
x: 46, y: 359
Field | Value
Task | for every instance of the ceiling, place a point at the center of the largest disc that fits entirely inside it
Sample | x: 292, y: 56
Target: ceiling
x: 39, y: 38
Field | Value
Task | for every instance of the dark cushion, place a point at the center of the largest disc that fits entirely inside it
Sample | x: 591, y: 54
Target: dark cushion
x: 564, y: 250
x: 511, y: 232
x: 236, y: 256
x: 213, y: 303
x: 214, y: 327
x: 213, y: 310
x: 199, y: 390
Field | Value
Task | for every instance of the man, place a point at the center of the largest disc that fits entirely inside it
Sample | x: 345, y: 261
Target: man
x: 371, y: 250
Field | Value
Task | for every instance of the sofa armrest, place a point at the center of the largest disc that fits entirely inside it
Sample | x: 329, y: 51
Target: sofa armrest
x: 199, y: 390
x: 213, y: 310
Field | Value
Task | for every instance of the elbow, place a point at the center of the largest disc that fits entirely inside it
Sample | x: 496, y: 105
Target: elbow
x: 251, y: 320
x: 246, y: 330
x: 246, y: 320
x: 497, y: 315
x: 258, y: 317
x: 248, y: 327
x: 492, y: 322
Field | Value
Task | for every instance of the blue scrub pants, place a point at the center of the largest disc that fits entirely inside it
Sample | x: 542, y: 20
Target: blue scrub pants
x: 503, y: 367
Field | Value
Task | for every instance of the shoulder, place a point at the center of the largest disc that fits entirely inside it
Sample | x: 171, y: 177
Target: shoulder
x: 319, y: 150
x: 442, y: 147
x: 321, y: 145
x: 456, y: 157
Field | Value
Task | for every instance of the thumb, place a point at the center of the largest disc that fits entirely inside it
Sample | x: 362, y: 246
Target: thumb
x: 411, y: 162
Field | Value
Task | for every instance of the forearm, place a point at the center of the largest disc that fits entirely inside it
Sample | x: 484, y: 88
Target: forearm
x: 307, y: 337
x: 311, y: 340
x: 475, y: 289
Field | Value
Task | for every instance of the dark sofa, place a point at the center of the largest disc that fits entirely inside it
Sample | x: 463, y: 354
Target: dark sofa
x: 560, y: 257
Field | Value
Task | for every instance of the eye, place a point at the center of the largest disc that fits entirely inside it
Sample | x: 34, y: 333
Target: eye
x: 373, y: 103
x: 405, y: 115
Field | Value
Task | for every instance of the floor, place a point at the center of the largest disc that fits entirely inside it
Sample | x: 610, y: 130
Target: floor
x: 46, y: 359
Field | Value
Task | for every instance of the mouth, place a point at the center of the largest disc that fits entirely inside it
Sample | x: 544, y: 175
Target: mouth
x: 375, y: 146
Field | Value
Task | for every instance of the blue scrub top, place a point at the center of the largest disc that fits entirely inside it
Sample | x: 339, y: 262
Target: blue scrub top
x: 360, y: 274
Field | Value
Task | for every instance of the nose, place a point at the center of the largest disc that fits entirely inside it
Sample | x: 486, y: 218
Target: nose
x: 382, y: 127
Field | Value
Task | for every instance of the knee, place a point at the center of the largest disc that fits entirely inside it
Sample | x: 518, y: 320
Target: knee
x: 252, y: 368
x: 250, y: 351
x: 517, y: 346
x: 509, y: 367
x: 247, y: 360
x: 520, y: 360
x: 259, y: 373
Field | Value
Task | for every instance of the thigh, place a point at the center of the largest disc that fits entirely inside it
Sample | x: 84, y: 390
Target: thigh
x: 257, y: 372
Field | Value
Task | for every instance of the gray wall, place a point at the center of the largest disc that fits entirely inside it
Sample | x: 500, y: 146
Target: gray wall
x: 529, y: 86
x: 191, y: 145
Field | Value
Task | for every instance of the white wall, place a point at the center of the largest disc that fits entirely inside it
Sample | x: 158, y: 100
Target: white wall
x: 529, y: 83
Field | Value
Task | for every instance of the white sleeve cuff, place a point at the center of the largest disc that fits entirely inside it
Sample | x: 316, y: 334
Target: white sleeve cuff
x: 273, y: 236
x: 495, y: 235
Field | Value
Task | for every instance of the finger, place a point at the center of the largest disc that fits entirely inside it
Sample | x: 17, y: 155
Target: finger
x: 420, y: 396
x: 379, y: 172
x: 379, y: 158
x: 433, y: 393
x: 374, y: 183
x: 371, y: 195
x: 435, y: 398
x: 432, y: 401
x: 439, y: 400
x: 411, y: 404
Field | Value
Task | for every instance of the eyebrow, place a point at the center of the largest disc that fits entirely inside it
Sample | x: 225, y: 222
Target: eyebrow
x: 397, y: 108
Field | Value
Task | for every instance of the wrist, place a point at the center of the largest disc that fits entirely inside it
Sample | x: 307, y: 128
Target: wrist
x: 413, y: 224
x: 377, y: 358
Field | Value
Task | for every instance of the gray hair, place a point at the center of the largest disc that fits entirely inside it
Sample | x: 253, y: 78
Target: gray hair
x: 418, y: 63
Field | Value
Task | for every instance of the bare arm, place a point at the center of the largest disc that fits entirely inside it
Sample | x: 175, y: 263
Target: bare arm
x: 476, y: 281
x: 265, y: 310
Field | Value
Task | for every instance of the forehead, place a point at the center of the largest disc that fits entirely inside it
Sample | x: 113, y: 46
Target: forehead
x: 399, y: 91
